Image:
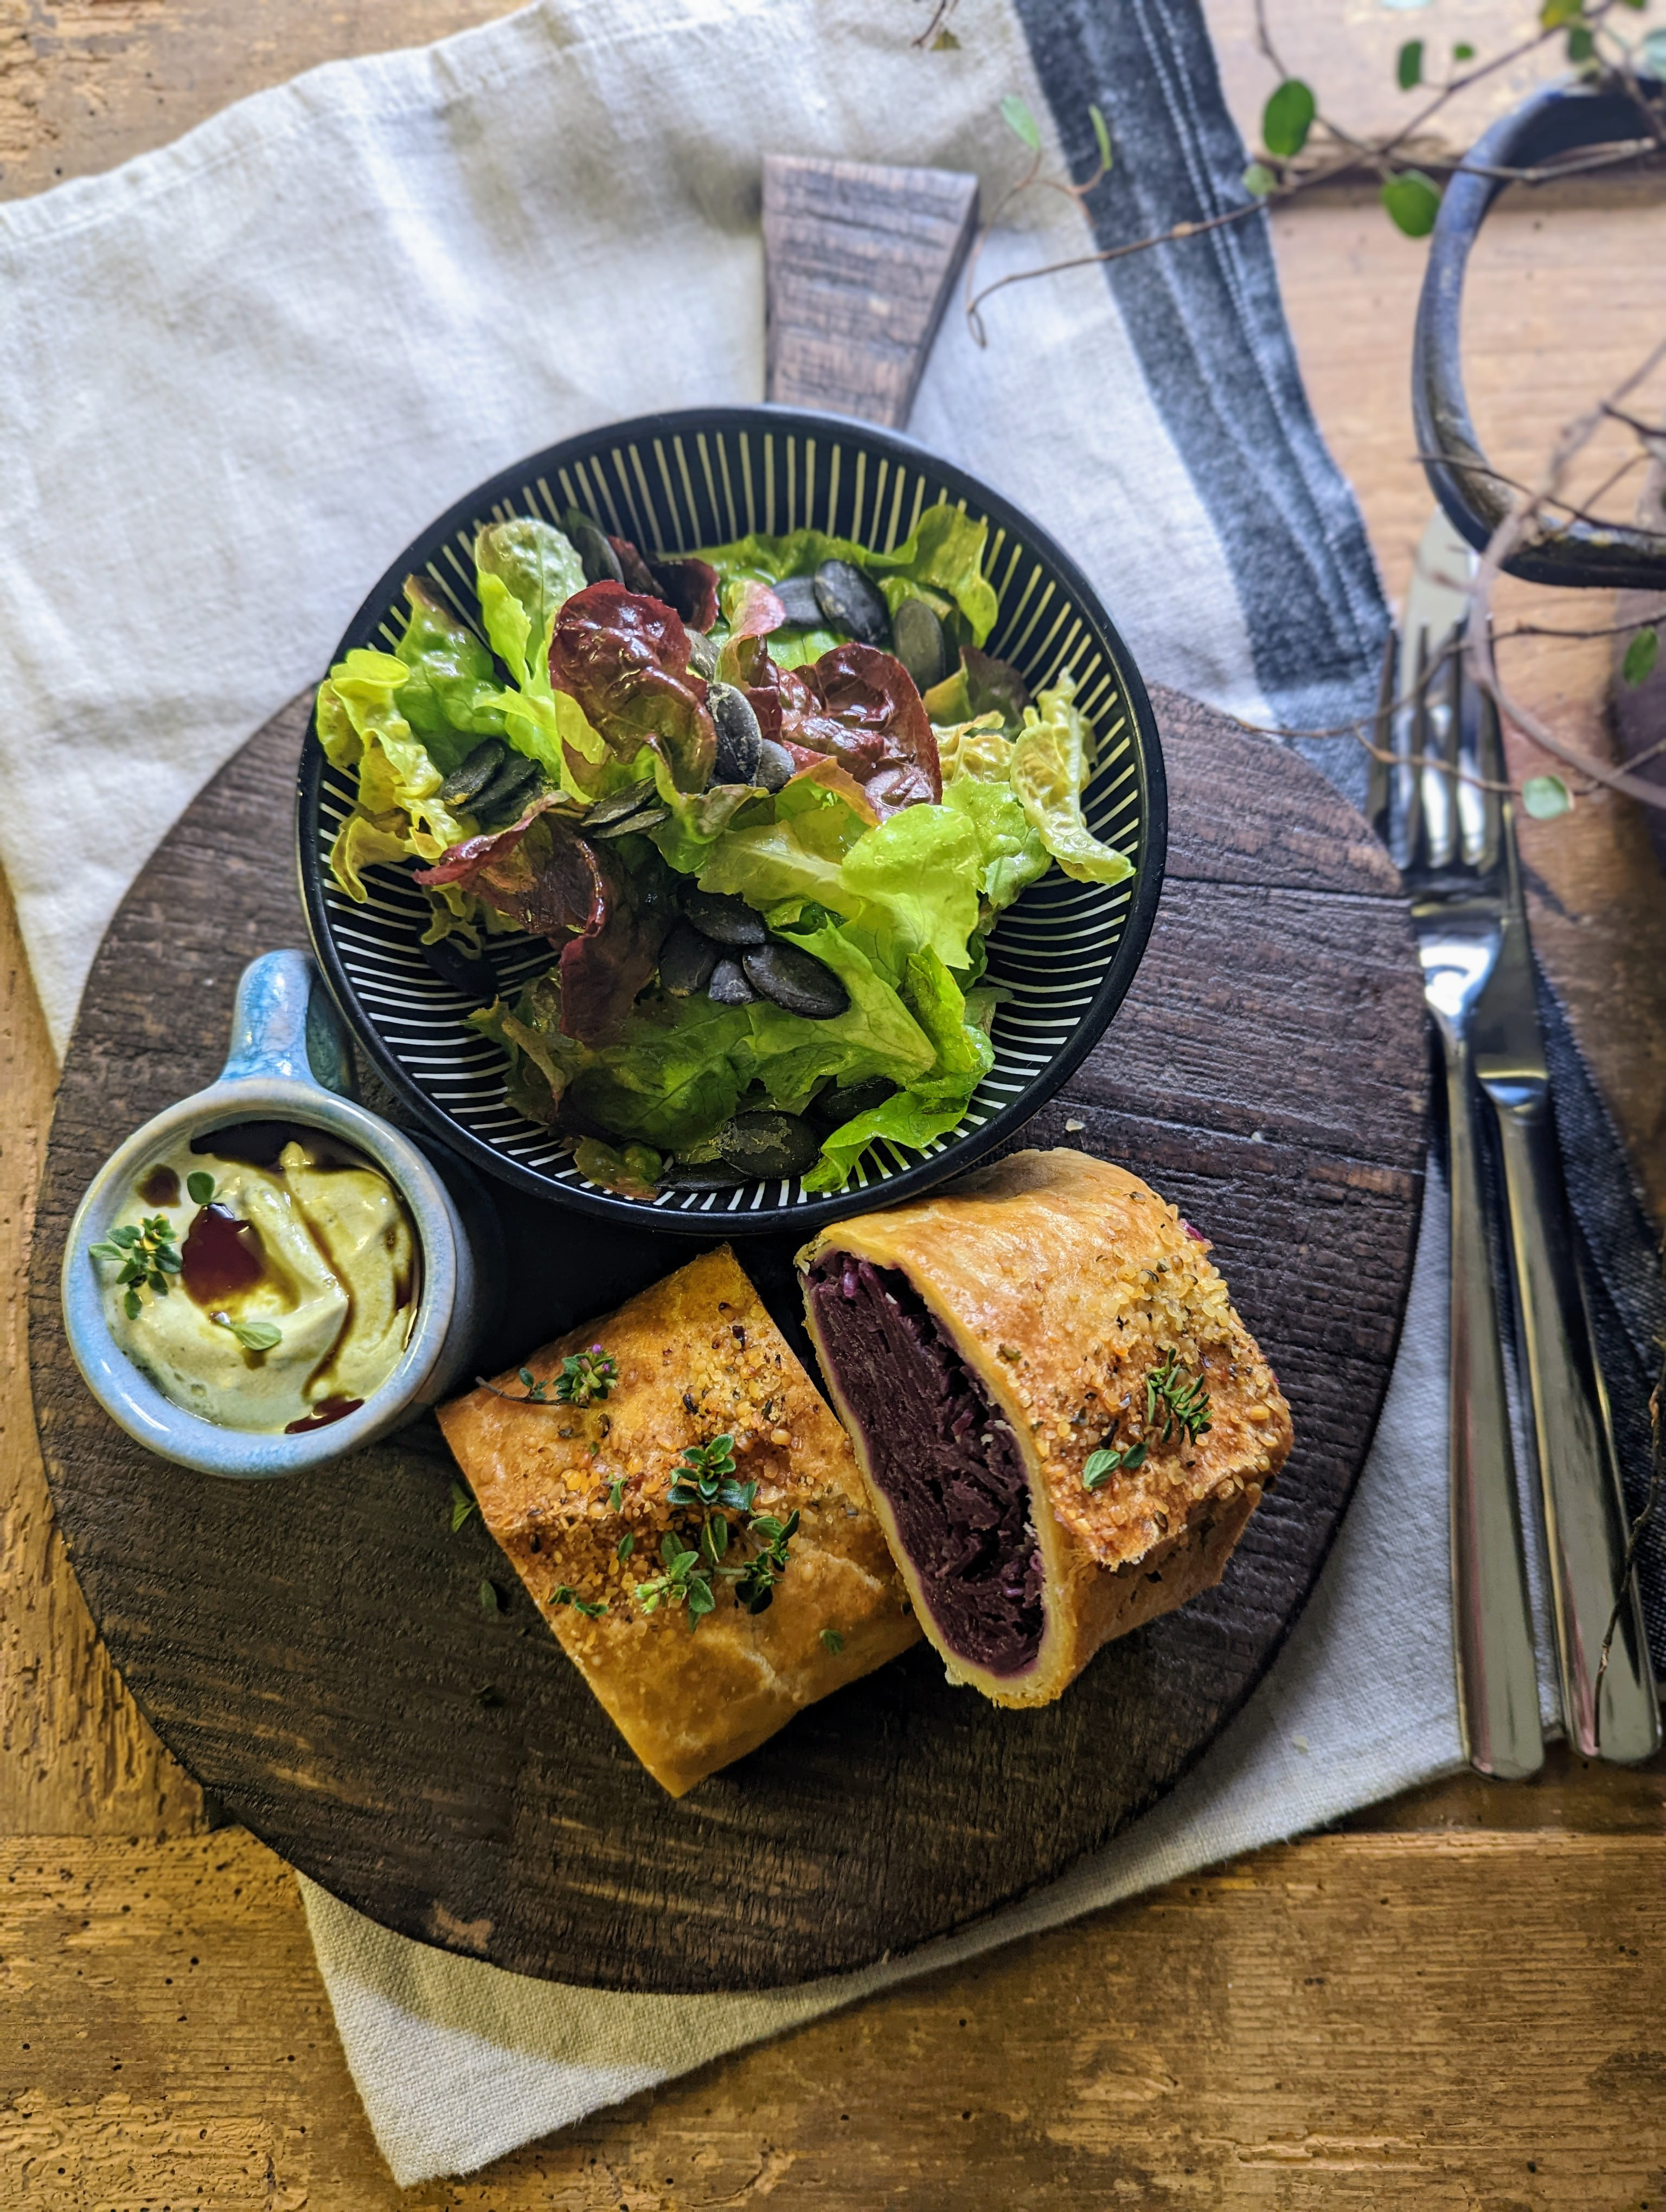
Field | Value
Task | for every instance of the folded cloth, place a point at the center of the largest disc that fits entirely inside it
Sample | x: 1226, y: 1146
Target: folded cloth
x: 239, y: 374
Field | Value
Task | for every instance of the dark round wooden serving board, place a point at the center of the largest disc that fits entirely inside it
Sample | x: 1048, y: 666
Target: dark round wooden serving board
x: 315, y: 1650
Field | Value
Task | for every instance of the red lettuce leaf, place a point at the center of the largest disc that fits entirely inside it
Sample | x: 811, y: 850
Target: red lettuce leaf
x: 608, y: 909
x: 861, y: 706
x: 689, y: 587
x: 624, y: 657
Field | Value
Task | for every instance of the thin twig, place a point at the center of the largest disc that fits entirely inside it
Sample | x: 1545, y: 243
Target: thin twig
x: 1513, y: 530
x: 1539, y: 495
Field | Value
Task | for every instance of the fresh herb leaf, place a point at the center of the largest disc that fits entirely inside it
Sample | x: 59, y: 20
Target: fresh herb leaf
x: 1409, y: 65
x: 1179, y: 1399
x: 252, y: 1335
x: 461, y: 1506
x: 616, y: 1491
x: 199, y: 1187
x: 148, y: 1255
x: 833, y: 1640
x: 586, y: 1376
x: 1463, y: 52
x: 627, y: 1544
x: 1259, y: 180
x: 564, y: 1595
x: 492, y: 1598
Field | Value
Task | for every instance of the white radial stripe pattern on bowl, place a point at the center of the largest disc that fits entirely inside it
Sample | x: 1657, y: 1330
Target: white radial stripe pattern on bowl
x: 1063, y: 953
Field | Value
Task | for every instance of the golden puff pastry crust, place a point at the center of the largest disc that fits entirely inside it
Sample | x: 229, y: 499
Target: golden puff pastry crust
x: 979, y: 1347
x: 698, y: 1357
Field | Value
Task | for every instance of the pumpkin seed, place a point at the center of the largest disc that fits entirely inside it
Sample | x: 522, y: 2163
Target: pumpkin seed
x: 728, y: 985
x: 795, y: 979
x: 467, y: 974
x: 470, y: 778
x: 618, y: 807
x: 775, y: 765
x: 851, y: 602
x: 686, y: 962
x: 739, y: 737
x: 797, y: 594
x: 728, y: 920
x: 704, y: 1175
x: 702, y: 654
x: 507, y: 792
x: 847, y: 1099
x: 769, y: 1144
x: 918, y: 641
x: 598, y: 559
x: 650, y: 818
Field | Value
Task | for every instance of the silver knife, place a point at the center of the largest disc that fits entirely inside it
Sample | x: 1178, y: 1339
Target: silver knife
x: 1594, y: 1599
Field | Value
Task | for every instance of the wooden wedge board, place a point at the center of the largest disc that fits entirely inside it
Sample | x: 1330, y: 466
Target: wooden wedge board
x: 315, y: 1650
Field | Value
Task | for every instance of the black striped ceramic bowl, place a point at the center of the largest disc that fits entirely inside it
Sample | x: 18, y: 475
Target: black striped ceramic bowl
x: 1066, y: 952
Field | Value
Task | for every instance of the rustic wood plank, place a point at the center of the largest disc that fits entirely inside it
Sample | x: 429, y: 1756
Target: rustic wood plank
x: 75, y: 1754
x: 1419, y: 2020
x: 858, y: 262
x: 313, y: 1655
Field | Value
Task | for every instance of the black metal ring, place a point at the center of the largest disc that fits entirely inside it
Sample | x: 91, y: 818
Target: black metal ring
x: 1559, y: 119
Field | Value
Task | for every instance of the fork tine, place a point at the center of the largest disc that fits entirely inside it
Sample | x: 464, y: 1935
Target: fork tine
x: 1379, y: 781
x: 1489, y: 765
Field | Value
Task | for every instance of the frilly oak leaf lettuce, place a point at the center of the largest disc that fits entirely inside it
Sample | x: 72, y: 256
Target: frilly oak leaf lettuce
x: 609, y: 907
x: 860, y: 707
x: 624, y: 657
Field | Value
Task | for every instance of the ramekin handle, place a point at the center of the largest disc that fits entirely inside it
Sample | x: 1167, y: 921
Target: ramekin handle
x: 283, y: 1024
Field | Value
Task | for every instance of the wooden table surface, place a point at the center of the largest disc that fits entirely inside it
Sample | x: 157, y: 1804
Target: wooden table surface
x: 1454, y: 2000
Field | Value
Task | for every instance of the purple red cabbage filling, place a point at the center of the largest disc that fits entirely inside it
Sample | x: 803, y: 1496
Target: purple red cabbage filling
x: 945, y: 1458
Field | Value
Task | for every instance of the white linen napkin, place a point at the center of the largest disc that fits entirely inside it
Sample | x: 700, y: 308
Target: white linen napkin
x: 237, y: 375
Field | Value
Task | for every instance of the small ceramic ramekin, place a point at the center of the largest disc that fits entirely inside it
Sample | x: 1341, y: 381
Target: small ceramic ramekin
x: 289, y: 1061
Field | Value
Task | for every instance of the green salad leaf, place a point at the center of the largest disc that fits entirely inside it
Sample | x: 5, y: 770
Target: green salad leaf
x: 448, y: 695
x: 977, y: 785
x: 940, y: 560
x: 525, y: 570
x: 1051, y: 764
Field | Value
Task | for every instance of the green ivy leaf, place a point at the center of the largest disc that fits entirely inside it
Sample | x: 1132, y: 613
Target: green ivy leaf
x: 1544, y: 797
x: 1412, y: 200
x: 1409, y: 65
x: 1259, y: 180
x: 1581, y: 44
x: 1287, y: 118
x: 1100, y: 136
x: 1641, y: 656
x: 1020, y: 122
x: 1463, y: 52
x: 199, y: 1187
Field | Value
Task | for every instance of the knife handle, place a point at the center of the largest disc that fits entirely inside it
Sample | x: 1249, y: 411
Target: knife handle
x: 1498, y: 1682
x: 1584, y: 1510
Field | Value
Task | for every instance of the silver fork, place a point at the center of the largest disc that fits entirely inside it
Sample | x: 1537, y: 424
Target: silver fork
x: 1444, y: 830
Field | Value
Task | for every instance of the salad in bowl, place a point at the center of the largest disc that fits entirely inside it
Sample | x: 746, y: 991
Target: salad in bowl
x: 766, y: 803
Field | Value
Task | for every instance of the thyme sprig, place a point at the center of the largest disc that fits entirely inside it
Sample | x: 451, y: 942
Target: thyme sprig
x: 584, y: 1376
x: 563, y: 1594
x: 703, y: 1480
x: 1181, y: 1400
x: 148, y: 1255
